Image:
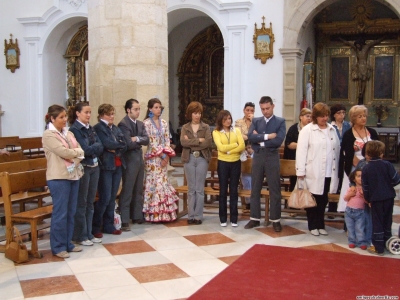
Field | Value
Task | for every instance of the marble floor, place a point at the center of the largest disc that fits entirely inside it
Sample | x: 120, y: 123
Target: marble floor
x: 158, y: 261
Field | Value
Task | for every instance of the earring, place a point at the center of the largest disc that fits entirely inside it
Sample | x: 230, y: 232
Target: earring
x: 151, y: 114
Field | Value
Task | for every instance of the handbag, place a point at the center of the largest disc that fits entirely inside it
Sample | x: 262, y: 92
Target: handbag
x: 16, y: 250
x: 301, y: 197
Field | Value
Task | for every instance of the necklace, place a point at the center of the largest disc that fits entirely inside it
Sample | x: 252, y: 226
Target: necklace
x: 228, y: 137
x: 159, y: 131
x: 366, y: 135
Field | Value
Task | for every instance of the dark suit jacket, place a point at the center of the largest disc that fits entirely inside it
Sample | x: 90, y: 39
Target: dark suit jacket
x: 112, y: 140
x: 275, y: 125
x: 127, y: 127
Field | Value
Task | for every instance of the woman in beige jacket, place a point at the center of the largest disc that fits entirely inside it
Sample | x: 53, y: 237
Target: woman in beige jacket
x: 64, y: 155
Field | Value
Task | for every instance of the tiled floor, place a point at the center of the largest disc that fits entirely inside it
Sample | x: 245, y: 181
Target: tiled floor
x: 157, y: 261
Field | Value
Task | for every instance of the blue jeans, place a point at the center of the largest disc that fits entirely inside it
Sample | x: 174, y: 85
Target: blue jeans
x: 355, y: 222
x: 64, y: 194
x: 103, y: 217
x: 228, y: 173
x: 84, y: 210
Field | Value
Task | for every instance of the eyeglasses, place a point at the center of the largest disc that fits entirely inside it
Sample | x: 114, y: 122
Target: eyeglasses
x: 341, y: 112
x: 249, y: 104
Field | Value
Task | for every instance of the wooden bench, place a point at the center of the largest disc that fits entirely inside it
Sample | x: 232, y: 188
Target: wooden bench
x: 32, y: 147
x: 13, y: 156
x: 10, y: 143
x: 22, y: 166
x: 13, y: 184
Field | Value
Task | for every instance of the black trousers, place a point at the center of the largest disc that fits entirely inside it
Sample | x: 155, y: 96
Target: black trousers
x: 228, y: 174
x: 315, y: 215
x: 381, y: 212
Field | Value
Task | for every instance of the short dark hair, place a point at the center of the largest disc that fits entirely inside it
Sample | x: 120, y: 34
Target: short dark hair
x: 335, y: 108
x: 374, y: 148
x: 266, y: 99
x: 193, y: 107
x: 220, y: 118
x: 251, y: 104
x: 319, y: 110
x: 129, y: 103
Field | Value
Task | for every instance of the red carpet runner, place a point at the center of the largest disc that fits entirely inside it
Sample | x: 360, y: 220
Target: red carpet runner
x: 269, y: 272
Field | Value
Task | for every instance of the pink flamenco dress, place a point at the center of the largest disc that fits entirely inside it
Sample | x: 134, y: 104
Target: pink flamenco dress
x: 159, y: 196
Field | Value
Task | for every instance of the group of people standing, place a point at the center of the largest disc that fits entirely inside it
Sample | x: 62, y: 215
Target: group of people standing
x: 346, y: 158
x: 84, y: 161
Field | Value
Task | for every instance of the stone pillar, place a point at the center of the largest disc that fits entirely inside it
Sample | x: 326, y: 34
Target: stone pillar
x: 128, y: 53
x: 292, y: 83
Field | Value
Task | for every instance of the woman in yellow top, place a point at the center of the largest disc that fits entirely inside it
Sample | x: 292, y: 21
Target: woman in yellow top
x: 230, y: 143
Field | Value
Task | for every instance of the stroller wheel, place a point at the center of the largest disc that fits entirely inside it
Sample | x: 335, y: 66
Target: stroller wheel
x: 394, y: 246
x: 388, y: 242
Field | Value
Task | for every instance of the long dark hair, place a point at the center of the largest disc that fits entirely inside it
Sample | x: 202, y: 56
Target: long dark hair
x: 73, y: 109
x: 53, y: 111
x: 150, y: 104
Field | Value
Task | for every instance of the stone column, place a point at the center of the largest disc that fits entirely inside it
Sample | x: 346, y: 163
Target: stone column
x: 128, y: 53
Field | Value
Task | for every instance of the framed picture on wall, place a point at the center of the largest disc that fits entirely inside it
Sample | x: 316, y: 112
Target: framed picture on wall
x: 383, y: 78
x: 339, y: 79
x: 11, y: 51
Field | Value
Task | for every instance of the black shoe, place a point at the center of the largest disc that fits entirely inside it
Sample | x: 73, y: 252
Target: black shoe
x: 197, y: 222
x: 248, y: 206
x: 125, y: 227
x: 277, y: 226
x: 190, y: 221
x: 252, y: 224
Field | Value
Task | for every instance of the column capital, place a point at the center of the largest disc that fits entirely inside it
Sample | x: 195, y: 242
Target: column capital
x: 291, y: 52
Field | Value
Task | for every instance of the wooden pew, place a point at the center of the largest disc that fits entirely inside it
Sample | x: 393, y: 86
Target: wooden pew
x: 10, y: 143
x: 32, y: 147
x: 22, y: 166
x: 12, y: 184
x: 14, y: 156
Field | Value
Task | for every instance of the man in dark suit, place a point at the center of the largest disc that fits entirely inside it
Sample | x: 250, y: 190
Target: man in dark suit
x: 266, y: 135
x: 131, y: 197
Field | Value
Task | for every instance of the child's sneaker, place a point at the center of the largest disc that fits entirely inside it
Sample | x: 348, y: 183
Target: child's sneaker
x: 352, y: 246
x: 372, y: 250
x: 363, y: 247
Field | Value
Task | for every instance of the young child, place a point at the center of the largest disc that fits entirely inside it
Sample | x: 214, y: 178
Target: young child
x: 354, y: 214
x: 378, y: 179
x: 246, y: 179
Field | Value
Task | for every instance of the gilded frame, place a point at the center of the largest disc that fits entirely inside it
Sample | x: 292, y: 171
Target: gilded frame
x: 11, y: 51
x: 263, y: 40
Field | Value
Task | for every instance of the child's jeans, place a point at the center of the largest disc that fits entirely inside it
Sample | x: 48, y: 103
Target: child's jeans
x: 246, y: 182
x: 355, y: 222
x: 381, y: 212
x: 368, y: 225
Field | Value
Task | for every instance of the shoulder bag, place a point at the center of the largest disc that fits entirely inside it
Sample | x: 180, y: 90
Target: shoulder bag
x: 16, y: 250
x: 301, y: 197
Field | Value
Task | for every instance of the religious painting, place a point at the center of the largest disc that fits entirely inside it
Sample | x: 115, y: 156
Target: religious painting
x: 263, y: 40
x: 383, y: 78
x: 11, y: 51
x: 339, y: 81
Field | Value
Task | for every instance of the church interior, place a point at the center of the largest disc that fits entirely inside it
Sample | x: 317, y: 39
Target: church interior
x: 222, y: 53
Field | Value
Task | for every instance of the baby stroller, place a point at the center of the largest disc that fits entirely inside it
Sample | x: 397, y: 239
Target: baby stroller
x: 393, y: 244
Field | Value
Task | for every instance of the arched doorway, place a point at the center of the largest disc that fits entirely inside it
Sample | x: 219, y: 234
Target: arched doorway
x: 201, y: 74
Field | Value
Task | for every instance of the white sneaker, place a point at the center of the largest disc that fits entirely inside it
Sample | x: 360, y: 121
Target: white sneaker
x: 86, y: 243
x: 96, y: 240
x: 323, y: 231
x: 223, y: 224
x: 315, y: 232
x: 233, y: 224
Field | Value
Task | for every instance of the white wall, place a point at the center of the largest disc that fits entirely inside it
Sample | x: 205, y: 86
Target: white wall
x: 13, y: 88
